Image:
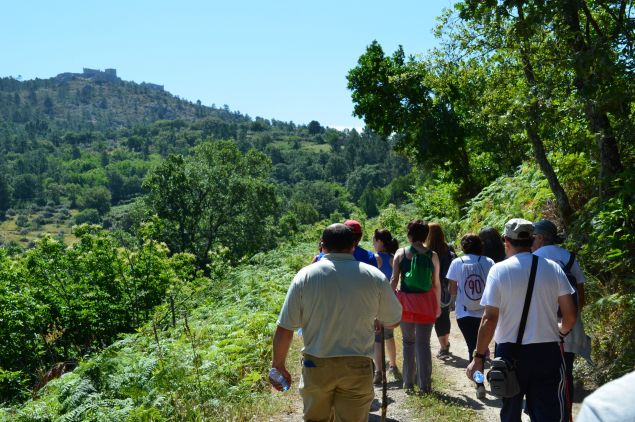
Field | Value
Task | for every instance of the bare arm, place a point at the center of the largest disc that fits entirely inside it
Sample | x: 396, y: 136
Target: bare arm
x: 485, y: 335
x: 379, y: 260
x: 396, y: 271
x: 567, y: 308
x: 281, y: 344
x: 453, y: 287
x: 436, y: 281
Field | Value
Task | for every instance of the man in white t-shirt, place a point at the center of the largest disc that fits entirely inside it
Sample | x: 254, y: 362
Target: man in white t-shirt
x: 335, y: 301
x: 577, y: 342
x: 538, y: 358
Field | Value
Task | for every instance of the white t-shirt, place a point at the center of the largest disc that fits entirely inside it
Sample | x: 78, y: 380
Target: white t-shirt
x: 562, y: 256
x: 506, y: 289
x: 335, y: 301
x: 468, y: 287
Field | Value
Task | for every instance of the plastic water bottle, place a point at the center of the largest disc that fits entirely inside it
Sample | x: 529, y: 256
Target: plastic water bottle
x: 478, y: 377
x: 276, y: 376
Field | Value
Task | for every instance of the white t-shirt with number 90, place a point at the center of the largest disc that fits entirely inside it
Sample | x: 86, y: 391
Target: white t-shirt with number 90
x: 470, y: 273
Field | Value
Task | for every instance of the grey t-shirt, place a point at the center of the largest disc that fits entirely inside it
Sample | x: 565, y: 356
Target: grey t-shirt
x: 335, y: 301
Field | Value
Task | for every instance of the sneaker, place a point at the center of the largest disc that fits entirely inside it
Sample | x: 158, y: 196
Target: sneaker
x: 443, y: 352
x: 393, y: 371
x: 410, y: 391
x: 377, y: 378
x: 480, y: 392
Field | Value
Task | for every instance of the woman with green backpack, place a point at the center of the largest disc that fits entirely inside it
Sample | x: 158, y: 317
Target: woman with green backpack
x: 416, y: 280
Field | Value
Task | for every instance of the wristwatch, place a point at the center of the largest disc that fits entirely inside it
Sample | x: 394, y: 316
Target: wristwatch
x: 476, y: 354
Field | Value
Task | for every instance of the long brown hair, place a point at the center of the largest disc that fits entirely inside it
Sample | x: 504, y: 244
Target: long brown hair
x: 436, y: 239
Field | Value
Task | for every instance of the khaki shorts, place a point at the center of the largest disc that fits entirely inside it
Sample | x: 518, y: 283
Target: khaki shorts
x: 337, y: 389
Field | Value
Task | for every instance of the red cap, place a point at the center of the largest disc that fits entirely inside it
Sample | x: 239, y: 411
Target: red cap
x: 354, y: 225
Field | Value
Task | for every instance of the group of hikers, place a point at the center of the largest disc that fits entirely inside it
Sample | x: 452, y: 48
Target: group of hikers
x: 519, y: 289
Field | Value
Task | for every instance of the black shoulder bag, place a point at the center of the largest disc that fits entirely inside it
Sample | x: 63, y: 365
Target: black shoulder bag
x: 502, y: 377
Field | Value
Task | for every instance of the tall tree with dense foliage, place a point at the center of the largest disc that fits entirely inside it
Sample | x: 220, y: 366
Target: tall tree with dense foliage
x: 5, y: 193
x: 394, y: 97
x: 216, y: 197
x: 591, y: 43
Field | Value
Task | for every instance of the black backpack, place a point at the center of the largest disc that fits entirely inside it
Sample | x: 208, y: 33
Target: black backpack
x: 444, y: 263
x: 572, y: 281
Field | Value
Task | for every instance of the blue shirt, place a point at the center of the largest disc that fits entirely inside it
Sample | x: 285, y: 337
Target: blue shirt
x: 360, y: 254
x: 386, y: 268
x: 367, y: 257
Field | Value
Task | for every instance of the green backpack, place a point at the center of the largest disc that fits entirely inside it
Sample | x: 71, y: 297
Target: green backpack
x: 419, y: 278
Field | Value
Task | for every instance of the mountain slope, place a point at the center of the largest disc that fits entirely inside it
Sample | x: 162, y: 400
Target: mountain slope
x: 94, y: 100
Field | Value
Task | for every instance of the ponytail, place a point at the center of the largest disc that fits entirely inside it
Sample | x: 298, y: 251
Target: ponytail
x: 390, y: 243
x: 392, y: 246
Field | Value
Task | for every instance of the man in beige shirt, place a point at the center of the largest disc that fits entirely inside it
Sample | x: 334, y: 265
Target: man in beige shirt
x: 335, y: 301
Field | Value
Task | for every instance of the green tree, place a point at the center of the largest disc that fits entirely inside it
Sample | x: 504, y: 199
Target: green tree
x: 314, y: 127
x: 5, y: 193
x: 584, y: 43
x: 393, y: 96
x: 97, y: 197
x: 88, y: 215
x: 322, y: 197
x: 27, y: 187
x: 336, y: 168
x: 216, y: 197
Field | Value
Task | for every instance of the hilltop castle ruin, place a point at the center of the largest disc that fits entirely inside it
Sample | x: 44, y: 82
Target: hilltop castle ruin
x: 107, y: 75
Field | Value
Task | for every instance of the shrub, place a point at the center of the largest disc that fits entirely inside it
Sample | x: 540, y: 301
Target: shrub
x: 22, y: 220
x: 89, y: 215
x: 210, y: 365
x: 604, y: 236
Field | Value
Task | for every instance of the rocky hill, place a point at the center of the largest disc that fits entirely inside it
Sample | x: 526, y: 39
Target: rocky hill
x: 93, y: 100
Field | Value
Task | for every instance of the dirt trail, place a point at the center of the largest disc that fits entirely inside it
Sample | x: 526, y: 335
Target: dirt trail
x: 450, y: 382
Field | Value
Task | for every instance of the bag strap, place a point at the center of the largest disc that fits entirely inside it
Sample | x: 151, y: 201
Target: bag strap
x: 413, y: 251
x: 530, y: 289
x: 567, y: 268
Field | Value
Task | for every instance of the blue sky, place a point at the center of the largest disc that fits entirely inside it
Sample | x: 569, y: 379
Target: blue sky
x: 285, y: 60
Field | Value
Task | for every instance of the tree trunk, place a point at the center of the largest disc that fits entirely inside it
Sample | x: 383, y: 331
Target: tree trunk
x: 585, y: 80
x: 562, y: 200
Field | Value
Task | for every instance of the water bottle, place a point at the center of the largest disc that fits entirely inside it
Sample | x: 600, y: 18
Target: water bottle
x: 478, y: 377
x: 276, y: 376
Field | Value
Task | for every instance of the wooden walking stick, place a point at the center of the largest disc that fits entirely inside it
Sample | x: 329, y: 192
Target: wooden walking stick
x: 384, y: 387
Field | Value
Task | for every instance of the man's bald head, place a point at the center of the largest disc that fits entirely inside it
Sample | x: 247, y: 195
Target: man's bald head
x: 338, y: 238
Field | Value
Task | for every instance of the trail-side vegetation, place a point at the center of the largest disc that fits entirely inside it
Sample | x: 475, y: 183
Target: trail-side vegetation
x: 204, y: 358
x: 59, y: 304
x: 524, y: 110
